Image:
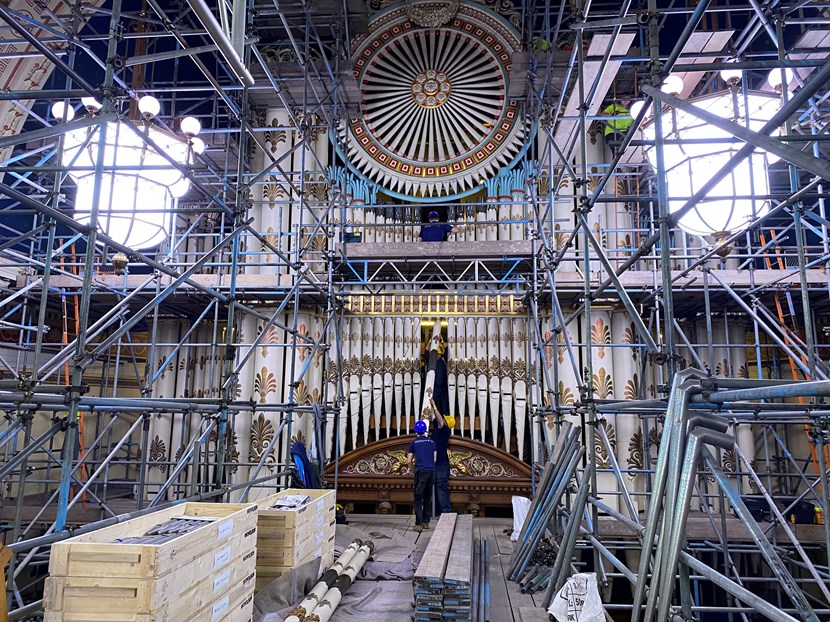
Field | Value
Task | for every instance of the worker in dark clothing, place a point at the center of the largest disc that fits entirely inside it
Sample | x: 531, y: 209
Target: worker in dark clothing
x: 423, y: 452
x: 436, y: 231
x: 441, y: 427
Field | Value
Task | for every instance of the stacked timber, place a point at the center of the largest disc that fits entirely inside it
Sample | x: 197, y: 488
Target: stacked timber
x: 443, y: 580
x: 294, y: 527
x: 458, y: 575
x: 194, y: 562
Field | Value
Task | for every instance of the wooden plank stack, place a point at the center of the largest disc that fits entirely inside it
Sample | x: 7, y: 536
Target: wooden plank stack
x: 288, y: 537
x: 194, y: 562
x: 458, y: 576
x: 443, y: 580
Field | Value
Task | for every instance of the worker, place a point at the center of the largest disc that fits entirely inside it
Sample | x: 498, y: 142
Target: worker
x: 441, y: 430
x: 616, y: 128
x: 423, y: 452
x: 436, y: 231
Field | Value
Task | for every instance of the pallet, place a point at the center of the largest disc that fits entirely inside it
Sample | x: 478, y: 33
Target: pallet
x: 96, y: 555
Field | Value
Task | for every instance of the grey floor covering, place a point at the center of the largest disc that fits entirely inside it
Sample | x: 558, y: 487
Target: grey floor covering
x: 381, y: 593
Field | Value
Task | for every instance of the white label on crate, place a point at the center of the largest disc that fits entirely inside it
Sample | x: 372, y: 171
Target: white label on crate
x: 222, y: 580
x: 225, y: 529
x: 321, y: 504
x: 222, y: 557
x: 319, y: 538
x: 319, y: 521
x: 220, y: 607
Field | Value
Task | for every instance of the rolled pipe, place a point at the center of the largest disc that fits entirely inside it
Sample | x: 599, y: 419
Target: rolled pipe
x: 344, y: 581
x: 327, y: 579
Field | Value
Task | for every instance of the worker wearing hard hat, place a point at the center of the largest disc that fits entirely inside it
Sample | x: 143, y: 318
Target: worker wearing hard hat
x: 441, y: 428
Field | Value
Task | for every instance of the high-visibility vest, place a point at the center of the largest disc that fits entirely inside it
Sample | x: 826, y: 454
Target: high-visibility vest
x: 618, y: 126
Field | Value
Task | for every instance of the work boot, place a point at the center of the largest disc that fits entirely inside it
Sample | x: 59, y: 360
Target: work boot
x: 418, y: 528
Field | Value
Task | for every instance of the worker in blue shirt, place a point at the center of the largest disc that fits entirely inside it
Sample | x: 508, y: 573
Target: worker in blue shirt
x: 436, y: 231
x: 424, y: 454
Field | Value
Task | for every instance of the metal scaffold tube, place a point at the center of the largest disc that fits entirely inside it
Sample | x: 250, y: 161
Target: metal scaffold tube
x: 590, y: 336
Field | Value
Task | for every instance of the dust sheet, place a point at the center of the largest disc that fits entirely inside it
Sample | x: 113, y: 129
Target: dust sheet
x: 381, y: 593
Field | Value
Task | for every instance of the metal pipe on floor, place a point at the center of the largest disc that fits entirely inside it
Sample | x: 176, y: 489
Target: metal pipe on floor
x: 486, y: 582
x: 476, y: 581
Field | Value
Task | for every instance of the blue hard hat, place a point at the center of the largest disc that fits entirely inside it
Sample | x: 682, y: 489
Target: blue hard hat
x: 433, y: 215
x: 420, y: 427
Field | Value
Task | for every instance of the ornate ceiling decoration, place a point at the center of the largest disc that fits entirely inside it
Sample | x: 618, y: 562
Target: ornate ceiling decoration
x: 435, y: 119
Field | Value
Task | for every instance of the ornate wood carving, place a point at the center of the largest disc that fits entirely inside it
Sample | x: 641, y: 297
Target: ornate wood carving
x: 378, y: 473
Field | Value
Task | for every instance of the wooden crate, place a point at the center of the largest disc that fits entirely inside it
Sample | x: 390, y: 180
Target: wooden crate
x: 94, y: 579
x: 96, y: 555
x: 170, y: 599
x: 266, y: 573
x: 236, y: 605
x: 290, y: 552
x: 287, y: 538
x: 323, y: 502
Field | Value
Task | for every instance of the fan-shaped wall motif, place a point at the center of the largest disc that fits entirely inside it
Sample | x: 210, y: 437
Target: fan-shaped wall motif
x: 435, y: 118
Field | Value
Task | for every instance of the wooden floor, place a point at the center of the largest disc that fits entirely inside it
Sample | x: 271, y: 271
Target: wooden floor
x: 507, y: 603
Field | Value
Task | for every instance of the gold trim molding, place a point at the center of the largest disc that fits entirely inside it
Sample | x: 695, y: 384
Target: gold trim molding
x: 435, y: 304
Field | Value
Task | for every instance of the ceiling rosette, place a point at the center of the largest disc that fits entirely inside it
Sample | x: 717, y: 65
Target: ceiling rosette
x: 435, y: 118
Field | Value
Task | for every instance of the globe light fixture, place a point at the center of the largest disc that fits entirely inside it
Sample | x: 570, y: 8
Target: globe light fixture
x: 149, y: 107
x: 63, y: 112
x: 137, y: 184
x: 696, y: 150
x: 91, y: 104
x: 634, y: 109
x: 673, y: 84
x: 198, y: 145
x: 775, y: 76
x: 190, y: 126
x: 731, y: 76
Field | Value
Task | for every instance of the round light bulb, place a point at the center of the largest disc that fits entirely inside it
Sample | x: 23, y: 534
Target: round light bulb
x: 91, y: 104
x: 198, y: 145
x: 63, y: 112
x: 774, y: 77
x: 636, y: 107
x: 673, y: 84
x: 180, y: 188
x: 731, y: 76
x: 190, y: 126
x: 149, y: 106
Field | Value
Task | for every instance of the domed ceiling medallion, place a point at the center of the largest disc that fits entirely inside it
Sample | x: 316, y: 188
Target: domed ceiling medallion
x: 435, y: 119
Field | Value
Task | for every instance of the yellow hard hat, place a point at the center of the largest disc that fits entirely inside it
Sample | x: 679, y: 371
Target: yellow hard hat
x: 450, y: 421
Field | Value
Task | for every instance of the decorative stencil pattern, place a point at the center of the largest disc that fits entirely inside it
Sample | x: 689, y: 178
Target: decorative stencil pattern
x: 262, y: 431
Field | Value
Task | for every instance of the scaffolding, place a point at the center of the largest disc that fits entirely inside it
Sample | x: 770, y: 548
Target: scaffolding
x: 233, y: 340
